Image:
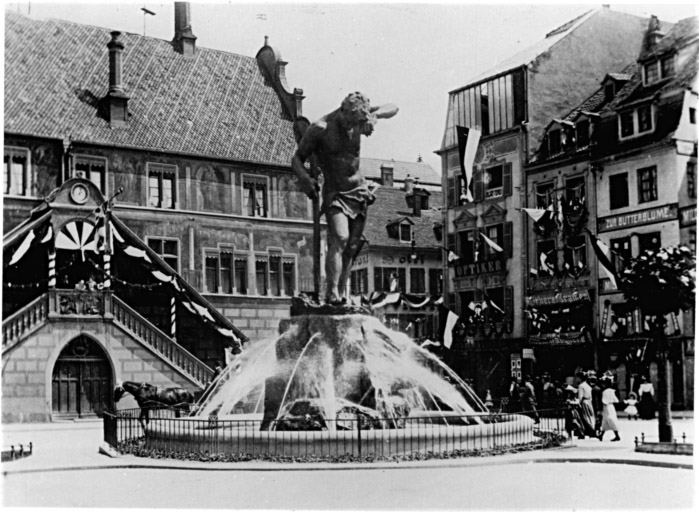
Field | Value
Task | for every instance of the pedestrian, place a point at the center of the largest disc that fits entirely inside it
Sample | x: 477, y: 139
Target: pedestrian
x: 596, y: 398
x: 573, y: 423
x: 514, y: 404
x: 631, y: 408
x: 547, y: 391
x: 587, y: 413
x: 646, y: 404
x: 609, y: 419
x: 527, y: 398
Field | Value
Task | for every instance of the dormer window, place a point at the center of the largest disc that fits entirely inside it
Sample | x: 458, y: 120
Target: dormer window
x: 582, y: 133
x: 554, y: 142
x: 658, y: 69
x: 406, y: 232
x: 636, y: 121
x: 609, y: 91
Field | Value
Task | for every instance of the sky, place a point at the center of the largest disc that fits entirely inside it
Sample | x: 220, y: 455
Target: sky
x: 409, y: 54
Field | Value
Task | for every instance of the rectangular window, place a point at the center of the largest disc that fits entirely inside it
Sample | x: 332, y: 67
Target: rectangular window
x: 226, y: 274
x: 161, y: 185
x: 575, y: 254
x: 417, y: 280
x: 435, y: 277
x: 667, y: 66
x: 693, y: 240
x: 494, y: 233
x: 497, y: 310
x: 575, y: 191
x: 240, y: 274
x: 692, y: 180
x: 93, y: 169
x: 692, y: 115
x: 467, y: 245
x: 255, y: 196
x: 651, y: 72
x: 544, y: 195
x: 648, y: 242
x: 647, y: 184
x: 168, y: 250
x: 406, y: 234
x: 211, y: 274
x: 645, y: 123
x: 546, y: 257
x: 554, y: 138
x: 582, y: 133
x: 359, y: 281
x: 16, y: 171
x: 288, y: 279
x: 386, y: 278
x: 621, y: 253
x: 493, y: 179
x: 451, y: 192
x: 618, y: 191
x: 261, y: 276
x: 626, y: 121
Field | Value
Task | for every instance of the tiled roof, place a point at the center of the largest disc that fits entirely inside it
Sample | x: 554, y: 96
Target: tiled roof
x: 390, y: 206
x: 371, y: 169
x: 215, y: 104
x: 682, y: 33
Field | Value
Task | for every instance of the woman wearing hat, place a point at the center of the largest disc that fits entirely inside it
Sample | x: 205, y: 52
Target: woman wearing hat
x: 646, y: 404
x: 587, y: 413
x: 609, y: 419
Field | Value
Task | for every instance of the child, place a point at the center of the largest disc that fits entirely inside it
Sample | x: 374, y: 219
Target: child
x: 631, y: 409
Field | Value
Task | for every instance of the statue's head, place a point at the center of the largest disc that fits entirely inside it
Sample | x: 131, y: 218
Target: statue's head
x: 355, y: 108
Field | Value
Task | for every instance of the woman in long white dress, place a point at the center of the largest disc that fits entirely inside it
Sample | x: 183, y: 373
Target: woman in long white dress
x: 609, y: 419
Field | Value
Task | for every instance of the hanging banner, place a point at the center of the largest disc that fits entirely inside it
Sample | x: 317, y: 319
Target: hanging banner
x: 638, y: 218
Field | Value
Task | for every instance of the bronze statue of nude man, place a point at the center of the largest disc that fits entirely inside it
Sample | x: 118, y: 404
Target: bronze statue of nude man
x: 334, y: 140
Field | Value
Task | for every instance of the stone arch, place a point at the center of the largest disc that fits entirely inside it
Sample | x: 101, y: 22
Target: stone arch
x: 80, y: 377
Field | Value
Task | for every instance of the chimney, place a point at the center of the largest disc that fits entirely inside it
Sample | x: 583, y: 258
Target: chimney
x: 408, y: 185
x: 654, y: 32
x: 387, y: 174
x: 116, y: 99
x: 184, y: 40
x: 298, y: 99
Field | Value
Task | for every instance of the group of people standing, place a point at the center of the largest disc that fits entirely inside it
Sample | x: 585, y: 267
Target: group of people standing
x: 591, y: 409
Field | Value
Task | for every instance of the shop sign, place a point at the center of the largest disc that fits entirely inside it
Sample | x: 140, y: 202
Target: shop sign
x: 559, y: 299
x: 688, y: 216
x: 481, y: 267
x: 559, y: 339
x: 639, y: 218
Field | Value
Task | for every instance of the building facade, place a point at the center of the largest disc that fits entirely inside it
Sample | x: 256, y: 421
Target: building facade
x: 189, y: 150
x: 645, y: 162
x: 399, y: 268
x: 511, y: 105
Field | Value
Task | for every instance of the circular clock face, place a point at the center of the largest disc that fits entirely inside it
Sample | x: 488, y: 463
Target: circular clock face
x: 79, y: 193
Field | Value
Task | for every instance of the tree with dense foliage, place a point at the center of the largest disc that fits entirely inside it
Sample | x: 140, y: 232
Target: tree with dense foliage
x: 661, y: 283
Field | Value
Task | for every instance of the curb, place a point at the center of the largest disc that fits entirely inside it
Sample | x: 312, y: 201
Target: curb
x: 300, y: 466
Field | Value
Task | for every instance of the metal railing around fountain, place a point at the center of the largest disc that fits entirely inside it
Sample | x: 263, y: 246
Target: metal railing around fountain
x: 315, y: 439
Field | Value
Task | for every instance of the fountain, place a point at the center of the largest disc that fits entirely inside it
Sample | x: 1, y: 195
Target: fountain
x: 336, y: 384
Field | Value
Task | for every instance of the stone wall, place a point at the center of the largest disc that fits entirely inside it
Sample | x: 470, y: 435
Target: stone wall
x: 27, y: 369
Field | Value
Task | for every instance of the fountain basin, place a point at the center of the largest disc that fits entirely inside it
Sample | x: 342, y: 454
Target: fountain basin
x: 426, y: 434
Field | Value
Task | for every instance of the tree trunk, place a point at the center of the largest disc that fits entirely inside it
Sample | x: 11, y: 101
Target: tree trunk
x: 664, y: 398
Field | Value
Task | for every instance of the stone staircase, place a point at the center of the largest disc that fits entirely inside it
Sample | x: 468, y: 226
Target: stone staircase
x: 58, y: 306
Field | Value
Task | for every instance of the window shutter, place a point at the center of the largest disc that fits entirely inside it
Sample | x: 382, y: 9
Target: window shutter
x: 478, y: 186
x: 507, y: 238
x: 509, y: 303
x: 401, y: 279
x: 457, y: 190
x: 450, y: 192
x: 507, y: 179
x: 519, y: 93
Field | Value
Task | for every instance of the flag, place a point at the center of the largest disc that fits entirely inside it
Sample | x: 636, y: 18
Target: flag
x: 301, y: 243
x: 468, y: 139
x: 492, y: 304
x: 545, y: 266
x: 492, y: 244
x: 533, y: 271
x: 393, y: 285
x: 536, y: 213
x: 560, y: 217
x: 447, y: 321
x: 452, y: 256
x: 23, y: 247
x: 604, y: 255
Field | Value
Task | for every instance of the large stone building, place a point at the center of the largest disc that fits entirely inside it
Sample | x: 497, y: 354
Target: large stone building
x: 511, y: 105
x: 189, y: 150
